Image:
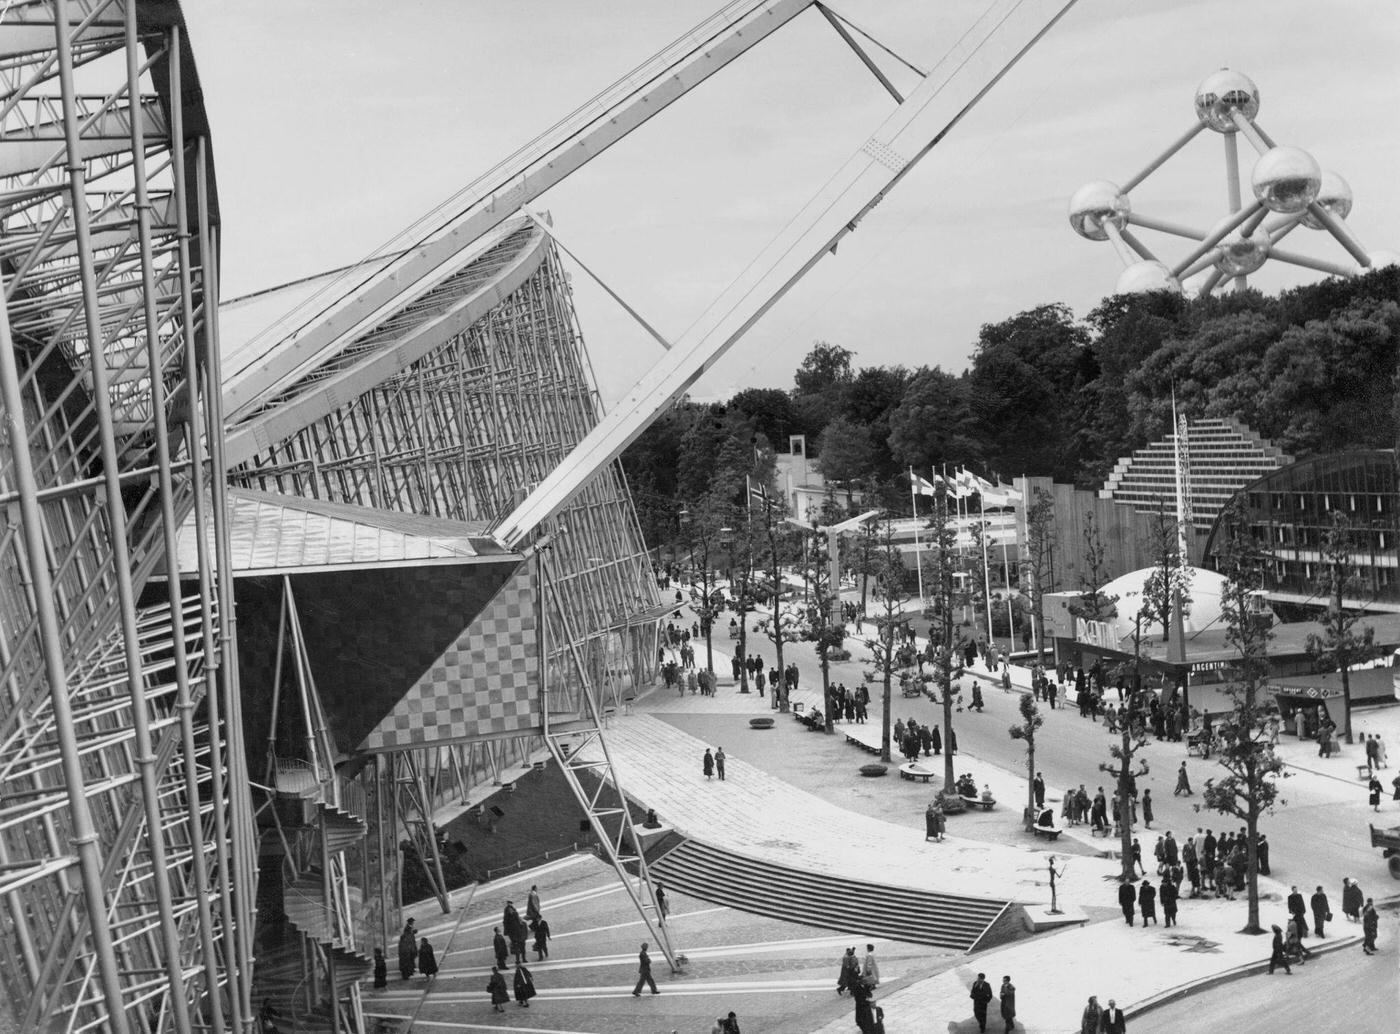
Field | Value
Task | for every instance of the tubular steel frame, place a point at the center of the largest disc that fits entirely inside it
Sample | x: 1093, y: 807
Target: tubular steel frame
x: 125, y: 834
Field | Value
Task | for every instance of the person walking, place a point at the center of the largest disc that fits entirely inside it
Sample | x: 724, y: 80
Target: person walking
x: 1370, y: 926
x: 663, y: 905
x: 1092, y: 1019
x: 1147, y: 809
x: 408, y: 950
x: 1147, y: 901
x: 1297, y: 910
x: 849, y: 973
x: 1278, y: 955
x: 532, y: 904
x: 1127, y: 901
x: 541, y: 939
x: 981, y: 995
x: 1168, y: 895
x: 730, y: 1024
x: 1114, y: 1021
x: 644, y: 973
x: 870, y: 969
x: 1183, y: 782
x: 1351, y: 899
x: 1038, y: 784
x: 496, y: 987
x: 707, y: 764
x: 1008, y: 1002
x: 500, y: 946
x: 427, y: 959
x: 1374, y: 786
x: 934, y: 821
x: 719, y: 763
x: 1321, y: 910
x: 524, y: 985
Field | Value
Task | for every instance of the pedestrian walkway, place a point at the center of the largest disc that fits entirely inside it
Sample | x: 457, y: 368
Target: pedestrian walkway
x: 752, y: 813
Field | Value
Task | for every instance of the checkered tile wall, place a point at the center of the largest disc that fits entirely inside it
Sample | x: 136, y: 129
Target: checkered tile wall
x: 485, y: 683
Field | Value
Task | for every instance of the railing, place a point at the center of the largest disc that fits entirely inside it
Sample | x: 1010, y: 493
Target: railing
x: 533, y: 860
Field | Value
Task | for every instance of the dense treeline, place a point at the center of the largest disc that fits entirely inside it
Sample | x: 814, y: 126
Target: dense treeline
x: 1313, y: 369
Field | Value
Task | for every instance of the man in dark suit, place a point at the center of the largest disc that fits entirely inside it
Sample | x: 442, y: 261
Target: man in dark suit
x: 1298, y: 911
x: 644, y: 973
x: 1127, y: 901
x: 1114, y: 1022
x: 981, y: 995
x: 1320, y: 909
x: 1039, y: 786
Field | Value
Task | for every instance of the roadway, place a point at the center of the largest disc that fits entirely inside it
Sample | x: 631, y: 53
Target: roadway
x: 1345, y: 992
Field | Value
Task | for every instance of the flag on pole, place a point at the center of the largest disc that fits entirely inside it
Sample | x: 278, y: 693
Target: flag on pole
x: 919, y: 485
x: 758, y: 493
x: 1000, y: 495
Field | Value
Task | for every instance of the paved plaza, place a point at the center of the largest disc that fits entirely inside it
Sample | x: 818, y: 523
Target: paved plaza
x: 796, y: 799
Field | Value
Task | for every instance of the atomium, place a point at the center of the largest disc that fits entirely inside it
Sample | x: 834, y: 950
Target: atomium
x: 1289, y: 190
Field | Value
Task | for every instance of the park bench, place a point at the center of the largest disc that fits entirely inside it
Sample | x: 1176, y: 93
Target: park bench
x: 1050, y: 833
x: 869, y: 748
x: 912, y: 771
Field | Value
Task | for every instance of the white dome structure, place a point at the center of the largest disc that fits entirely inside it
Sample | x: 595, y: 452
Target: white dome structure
x: 1207, y: 587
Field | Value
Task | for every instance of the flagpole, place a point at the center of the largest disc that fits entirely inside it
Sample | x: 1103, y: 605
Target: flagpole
x: 918, y: 549
x: 986, y: 575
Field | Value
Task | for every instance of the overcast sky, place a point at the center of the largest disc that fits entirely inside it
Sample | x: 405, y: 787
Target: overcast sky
x: 338, y: 122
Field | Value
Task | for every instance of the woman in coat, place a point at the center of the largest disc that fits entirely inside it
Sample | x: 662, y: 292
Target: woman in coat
x: 1008, y: 1002
x: 496, y: 986
x: 524, y: 985
x: 542, y: 939
x: 1375, y: 797
x: 708, y: 764
x: 1352, y: 899
x: 1093, y: 1016
x: 1147, y: 902
x: 427, y: 959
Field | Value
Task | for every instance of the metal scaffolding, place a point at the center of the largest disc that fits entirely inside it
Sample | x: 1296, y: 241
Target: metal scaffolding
x: 125, y: 833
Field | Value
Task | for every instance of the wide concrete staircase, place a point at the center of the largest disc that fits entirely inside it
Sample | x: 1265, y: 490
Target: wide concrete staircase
x: 849, y: 906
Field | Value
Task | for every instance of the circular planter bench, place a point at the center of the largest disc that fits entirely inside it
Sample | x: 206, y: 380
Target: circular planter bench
x: 871, y: 771
x: 760, y: 723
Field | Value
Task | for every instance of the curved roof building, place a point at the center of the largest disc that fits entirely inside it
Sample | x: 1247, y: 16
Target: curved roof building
x: 1291, y: 511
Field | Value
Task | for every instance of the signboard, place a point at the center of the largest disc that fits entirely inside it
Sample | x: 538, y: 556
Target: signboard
x: 1095, y: 633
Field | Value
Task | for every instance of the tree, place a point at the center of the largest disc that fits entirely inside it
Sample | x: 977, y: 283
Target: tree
x: 771, y: 412
x: 1023, y: 369
x: 940, y: 582
x: 932, y: 425
x: 1093, y: 603
x: 1249, y: 788
x: 1340, y: 644
x: 781, y: 627
x: 870, y: 401
x: 886, y: 645
x: 828, y: 630
x: 846, y: 454
x: 1133, y: 738
x: 1030, y: 722
x: 820, y: 386
x: 1169, y: 584
x: 1036, y: 568
x: 703, y: 527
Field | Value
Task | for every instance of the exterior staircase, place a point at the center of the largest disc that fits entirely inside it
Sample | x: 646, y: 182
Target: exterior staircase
x: 281, y: 976
x: 850, y: 906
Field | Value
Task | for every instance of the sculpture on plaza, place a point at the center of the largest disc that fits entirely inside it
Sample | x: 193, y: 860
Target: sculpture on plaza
x: 1290, y: 190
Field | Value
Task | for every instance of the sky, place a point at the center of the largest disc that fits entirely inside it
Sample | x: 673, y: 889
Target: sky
x: 336, y: 123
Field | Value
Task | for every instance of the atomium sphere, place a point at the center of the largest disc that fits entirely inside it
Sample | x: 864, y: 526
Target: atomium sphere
x: 1240, y: 256
x: 1335, y: 197
x: 1286, y: 180
x: 1094, y: 204
x: 1383, y: 259
x: 1147, y: 276
x: 1222, y: 91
